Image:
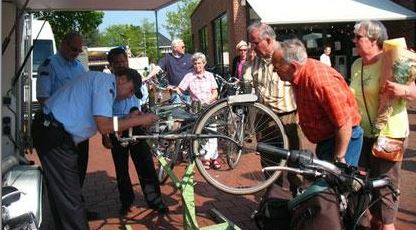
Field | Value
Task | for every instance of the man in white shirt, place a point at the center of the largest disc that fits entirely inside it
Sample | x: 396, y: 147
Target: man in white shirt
x: 325, y: 58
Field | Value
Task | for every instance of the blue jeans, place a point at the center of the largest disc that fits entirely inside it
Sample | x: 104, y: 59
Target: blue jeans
x: 325, y: 149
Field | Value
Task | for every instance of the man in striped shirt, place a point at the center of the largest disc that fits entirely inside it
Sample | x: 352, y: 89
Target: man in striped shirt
x: 274, y: 92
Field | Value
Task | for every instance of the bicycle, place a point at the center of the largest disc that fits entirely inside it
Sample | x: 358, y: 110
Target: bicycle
x: 232, y: 86
x: 238, y: 120
x: 176, y: 150
x: 345, y: 186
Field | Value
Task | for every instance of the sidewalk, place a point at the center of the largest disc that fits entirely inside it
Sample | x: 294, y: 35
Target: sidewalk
x: 101, y: 195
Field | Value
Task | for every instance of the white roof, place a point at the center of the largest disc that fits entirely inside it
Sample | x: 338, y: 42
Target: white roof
x: 319, y: 11
x: 73, y: 5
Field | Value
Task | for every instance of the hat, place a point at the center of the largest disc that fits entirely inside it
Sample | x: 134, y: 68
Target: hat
x: 241, y: 44
x: 132, y: 75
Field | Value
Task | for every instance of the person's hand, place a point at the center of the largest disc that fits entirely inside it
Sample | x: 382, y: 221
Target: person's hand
x: 395, y: 89
x: 172, y: 88
x: 148, y: 119
x: 106, y: 141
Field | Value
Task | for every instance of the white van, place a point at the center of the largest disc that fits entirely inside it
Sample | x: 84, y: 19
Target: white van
x: 43, y: 47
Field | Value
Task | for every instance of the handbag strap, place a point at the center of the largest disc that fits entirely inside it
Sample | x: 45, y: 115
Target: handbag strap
x: 362, y: 90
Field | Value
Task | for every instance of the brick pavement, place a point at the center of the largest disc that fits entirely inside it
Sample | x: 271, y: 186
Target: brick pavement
x: 101, y: 195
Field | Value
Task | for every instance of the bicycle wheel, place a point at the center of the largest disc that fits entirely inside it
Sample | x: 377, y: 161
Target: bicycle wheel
x: 170, y: 151
x: 258, y: 124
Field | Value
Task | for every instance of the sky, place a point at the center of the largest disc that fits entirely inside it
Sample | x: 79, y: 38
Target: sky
x: 135, y: 18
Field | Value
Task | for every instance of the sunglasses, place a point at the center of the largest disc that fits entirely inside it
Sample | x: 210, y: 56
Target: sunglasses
x: 75, y: 49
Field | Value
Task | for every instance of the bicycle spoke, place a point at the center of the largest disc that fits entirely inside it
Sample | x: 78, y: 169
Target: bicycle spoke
x: 246, y: 123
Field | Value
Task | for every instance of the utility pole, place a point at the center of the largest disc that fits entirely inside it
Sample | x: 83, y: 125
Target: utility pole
x: 144, y: 43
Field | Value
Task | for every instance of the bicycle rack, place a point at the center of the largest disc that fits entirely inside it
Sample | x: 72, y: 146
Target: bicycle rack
x: 186, y: 186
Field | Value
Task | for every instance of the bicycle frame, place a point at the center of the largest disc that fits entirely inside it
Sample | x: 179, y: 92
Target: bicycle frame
x: 344, y: 179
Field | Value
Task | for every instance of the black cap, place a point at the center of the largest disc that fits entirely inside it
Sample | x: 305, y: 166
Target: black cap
x: 132, y: 74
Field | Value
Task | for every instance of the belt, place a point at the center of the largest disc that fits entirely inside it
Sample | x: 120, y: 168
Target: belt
x: 286, y: 113
x: 48, y: 120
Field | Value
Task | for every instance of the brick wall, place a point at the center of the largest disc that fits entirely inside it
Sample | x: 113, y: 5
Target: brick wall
x: 205, y: 13
x: 209, y: 10
x: 405, y: 29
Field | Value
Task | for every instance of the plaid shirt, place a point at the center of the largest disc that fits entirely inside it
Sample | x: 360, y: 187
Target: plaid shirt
x: 325, y: 102
x: 200, y: 86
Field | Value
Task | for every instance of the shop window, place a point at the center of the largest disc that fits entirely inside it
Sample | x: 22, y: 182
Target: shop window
x: 203, y: 40
x: 221, y: 49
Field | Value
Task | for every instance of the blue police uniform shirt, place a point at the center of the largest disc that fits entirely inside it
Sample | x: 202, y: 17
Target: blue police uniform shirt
x: 55, y: 72
x: 76, y: 103
x: 123, y: 107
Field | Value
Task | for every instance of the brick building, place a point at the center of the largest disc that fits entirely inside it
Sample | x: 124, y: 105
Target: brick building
x: 218, y: 25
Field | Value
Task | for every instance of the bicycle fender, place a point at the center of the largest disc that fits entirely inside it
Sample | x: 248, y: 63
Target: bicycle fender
x: 242, y: 98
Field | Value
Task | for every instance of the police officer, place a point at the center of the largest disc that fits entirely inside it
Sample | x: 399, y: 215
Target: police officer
x: 55, y: 72
x: 71, y: 115
x: 140, y: 152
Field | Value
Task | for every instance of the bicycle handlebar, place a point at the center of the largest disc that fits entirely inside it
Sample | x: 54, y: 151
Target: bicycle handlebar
x: 305, y: 158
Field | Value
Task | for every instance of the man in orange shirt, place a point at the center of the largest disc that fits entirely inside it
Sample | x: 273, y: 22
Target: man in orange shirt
x: 328, y: 112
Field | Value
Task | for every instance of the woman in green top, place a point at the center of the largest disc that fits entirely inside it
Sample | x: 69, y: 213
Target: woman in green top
x: 365, y: 84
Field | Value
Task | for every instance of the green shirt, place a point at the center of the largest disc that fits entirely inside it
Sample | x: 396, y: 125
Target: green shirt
x: 398, y: 123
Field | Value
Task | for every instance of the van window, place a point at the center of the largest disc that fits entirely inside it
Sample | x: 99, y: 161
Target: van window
x: 42, y: 49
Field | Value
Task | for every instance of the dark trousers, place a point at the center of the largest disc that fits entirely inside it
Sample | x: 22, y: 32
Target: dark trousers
x: 143, y: 161
x: 83, y: 160
x: 59, y: 158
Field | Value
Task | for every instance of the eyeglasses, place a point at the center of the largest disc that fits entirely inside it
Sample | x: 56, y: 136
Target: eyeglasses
x: 256, y: 43
x: 75, y: 49
x: 358, y: 37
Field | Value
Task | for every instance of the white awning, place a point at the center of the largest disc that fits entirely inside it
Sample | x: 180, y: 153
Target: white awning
x: 73, y: 5
x: 320, y: 11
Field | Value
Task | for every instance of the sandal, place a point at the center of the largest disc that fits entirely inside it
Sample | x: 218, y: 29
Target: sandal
x: 215, y: 164
x: 206, y: 164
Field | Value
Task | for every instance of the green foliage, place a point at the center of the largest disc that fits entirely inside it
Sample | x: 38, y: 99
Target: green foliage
x: 401, y: 70
x: 141, y: 39
x: 62, y: 22
x: 179, y: 22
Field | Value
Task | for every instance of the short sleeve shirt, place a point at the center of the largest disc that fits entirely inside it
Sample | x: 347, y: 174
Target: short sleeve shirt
x: 176, y: 67
x: 325, y: 102
x: 55, y: 72
x: 398, y: 123
x: 199, y: 86
x: 77, y: 103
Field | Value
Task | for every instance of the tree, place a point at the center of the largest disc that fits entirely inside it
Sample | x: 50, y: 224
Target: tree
x: 140, y: 39
x: 179, y: 22
x: 63, y: 22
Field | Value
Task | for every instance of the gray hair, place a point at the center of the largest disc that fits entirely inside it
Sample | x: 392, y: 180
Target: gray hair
x: 375, y: 30
x: 265, y: 30
x: 198, y: 55
x: 176, y: 42
x: 293, y: 50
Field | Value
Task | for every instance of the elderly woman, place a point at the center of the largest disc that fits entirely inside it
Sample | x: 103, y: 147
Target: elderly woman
x: 203, y: 89
x: 365, y: 83
x: 239, y: 60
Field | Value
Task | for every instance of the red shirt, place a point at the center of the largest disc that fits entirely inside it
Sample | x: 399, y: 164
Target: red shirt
x: 324, y: 100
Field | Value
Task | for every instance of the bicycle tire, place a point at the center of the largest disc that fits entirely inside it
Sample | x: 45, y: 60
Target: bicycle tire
x: 262, y: 125
x: 171, y: 159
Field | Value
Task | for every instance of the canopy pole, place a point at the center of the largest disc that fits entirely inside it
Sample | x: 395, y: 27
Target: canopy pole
x: 157, y: 36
